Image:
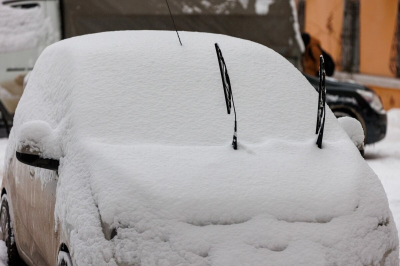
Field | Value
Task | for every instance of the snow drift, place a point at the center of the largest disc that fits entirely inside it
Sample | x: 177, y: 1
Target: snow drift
x: 145, y: 147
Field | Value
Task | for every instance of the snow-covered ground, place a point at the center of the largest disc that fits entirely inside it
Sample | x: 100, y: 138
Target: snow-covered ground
x: 384, y: 159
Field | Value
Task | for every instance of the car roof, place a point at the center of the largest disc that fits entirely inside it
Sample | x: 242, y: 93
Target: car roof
x: 144, y: 87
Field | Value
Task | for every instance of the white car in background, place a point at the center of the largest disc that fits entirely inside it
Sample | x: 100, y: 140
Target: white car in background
x: 26, y: 28
x: 134, y: 130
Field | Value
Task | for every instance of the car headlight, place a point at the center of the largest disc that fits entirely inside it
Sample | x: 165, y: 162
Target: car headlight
x: 372, y: 99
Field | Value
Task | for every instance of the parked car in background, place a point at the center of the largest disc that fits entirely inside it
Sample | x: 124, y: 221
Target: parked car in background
x: 121, y: 154
x: 357, y: 101
x: 26, y: 28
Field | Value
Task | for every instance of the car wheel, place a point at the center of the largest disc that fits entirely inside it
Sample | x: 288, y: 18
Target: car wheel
x: 7, y: 234
x: 64, y: 259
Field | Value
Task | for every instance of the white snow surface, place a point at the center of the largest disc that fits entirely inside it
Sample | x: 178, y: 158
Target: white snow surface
x: 353, y: 129
x: 3, y: 254
x: 384, y: 158
x: 39, y: 138
x: 63, y: 256
x: 3, y: 247
x: 22, y: 29
x: 262, y: 6
x: 146, y: 148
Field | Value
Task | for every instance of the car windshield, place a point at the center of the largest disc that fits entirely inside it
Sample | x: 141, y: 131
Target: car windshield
x: 142, y: 91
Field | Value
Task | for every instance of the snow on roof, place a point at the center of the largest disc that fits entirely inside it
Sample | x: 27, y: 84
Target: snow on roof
x: 22, y: 29
x: 173, y: 95
x: 145, y: 139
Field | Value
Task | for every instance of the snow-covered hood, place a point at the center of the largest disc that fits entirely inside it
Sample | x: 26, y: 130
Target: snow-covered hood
x: 218, y: 185
x: 200, y: 205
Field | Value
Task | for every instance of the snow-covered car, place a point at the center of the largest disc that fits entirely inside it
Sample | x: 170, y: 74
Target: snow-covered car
x: 125, y: 158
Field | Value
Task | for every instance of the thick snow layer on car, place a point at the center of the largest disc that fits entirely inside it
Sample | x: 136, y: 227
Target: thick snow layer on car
x: 37, y: 137
x: 22, y: 29
x: 146, y: 150
x: 353, y: 129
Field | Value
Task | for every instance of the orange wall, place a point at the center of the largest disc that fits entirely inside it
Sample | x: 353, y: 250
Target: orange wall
x: 377, y: 28
x: 324, y: 20
x: 390, y: 97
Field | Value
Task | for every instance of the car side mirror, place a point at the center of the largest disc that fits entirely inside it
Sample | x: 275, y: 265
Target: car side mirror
x: 37, y: 161
x: 38, y: 146
x: 355, y: 131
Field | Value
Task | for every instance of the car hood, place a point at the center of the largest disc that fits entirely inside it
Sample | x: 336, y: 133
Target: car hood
x: 277, y: 201
x: 218, y: 185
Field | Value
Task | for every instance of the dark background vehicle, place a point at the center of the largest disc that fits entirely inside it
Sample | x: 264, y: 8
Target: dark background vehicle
x: 357, y: 101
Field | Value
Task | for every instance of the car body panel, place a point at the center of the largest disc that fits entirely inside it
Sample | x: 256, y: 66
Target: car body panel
x: 32, y: 208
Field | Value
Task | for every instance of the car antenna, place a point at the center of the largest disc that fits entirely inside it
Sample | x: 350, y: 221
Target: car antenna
x: 173, y: 21
x: 226, y: 84
x: 321, y: 102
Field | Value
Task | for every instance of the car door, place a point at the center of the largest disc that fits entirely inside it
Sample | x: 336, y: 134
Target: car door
x: 33, y: 212
x: 41, y: 190
x: 16, y: 184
